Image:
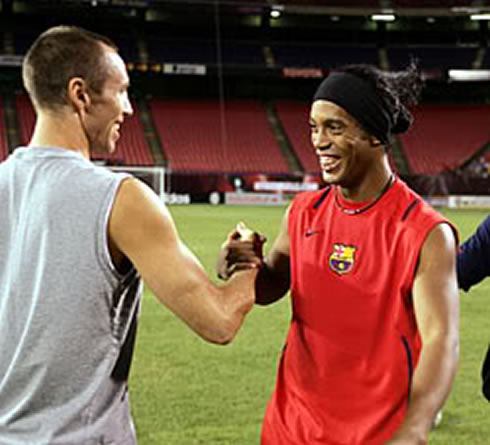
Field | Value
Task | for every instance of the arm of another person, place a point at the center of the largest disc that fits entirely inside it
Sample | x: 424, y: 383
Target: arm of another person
x: 473, y: 263
x: 273, y: 278
x: 142, y: 229
x: 435, y: 295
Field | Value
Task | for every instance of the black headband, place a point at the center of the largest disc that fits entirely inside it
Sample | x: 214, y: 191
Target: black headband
x: 360, y: 100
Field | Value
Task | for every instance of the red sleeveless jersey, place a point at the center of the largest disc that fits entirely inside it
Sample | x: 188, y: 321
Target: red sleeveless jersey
x: 345, y: 373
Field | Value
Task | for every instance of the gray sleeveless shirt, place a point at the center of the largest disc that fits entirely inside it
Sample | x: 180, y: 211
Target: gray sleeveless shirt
x: 67, y: 317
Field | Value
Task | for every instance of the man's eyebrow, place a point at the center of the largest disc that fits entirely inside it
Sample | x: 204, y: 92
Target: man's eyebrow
x: 334, y: 121
x: 328, y: 121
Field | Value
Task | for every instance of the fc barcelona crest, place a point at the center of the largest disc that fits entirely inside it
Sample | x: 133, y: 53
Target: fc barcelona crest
x: 342, y: 258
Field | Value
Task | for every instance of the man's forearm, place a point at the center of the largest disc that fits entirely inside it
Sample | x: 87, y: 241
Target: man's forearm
x: 271, y: 286
x: 430, y: 387
x: 237, y: 299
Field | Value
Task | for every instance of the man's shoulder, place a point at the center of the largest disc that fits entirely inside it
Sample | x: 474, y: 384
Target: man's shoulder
x: 417, y: 215
x: 91, y: 172
x: 413, y: 205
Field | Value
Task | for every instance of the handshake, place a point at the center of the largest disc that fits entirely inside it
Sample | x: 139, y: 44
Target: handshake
x: 242, y: 250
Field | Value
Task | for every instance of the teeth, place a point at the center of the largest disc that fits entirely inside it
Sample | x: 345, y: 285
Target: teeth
x: 329, y: 163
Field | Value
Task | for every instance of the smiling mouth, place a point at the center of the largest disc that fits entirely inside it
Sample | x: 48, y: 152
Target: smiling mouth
x: 329, y: 163
x: 116, y: 133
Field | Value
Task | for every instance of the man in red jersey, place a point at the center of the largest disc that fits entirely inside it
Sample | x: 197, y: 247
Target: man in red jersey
x: 372, y: 349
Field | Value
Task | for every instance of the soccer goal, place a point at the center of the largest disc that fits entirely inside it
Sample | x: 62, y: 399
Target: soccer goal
x: 152, y: 176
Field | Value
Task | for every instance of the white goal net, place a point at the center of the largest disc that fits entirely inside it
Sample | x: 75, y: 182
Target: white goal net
x: 152, y: 176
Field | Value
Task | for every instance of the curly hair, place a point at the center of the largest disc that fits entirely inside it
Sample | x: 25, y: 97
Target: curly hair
x: 397, y: 89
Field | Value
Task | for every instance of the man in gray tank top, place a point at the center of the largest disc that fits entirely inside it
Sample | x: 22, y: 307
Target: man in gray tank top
x: 75, y: 241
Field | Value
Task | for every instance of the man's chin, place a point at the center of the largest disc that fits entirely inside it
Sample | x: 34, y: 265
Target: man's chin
x: 100, y: 150
x: 330, y: 179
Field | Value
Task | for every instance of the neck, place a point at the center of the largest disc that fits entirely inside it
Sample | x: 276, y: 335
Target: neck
x: 60, y: 129
x: 371, y: 185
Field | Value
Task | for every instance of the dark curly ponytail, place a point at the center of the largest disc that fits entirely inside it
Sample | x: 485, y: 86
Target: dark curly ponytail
x: 397, y: 89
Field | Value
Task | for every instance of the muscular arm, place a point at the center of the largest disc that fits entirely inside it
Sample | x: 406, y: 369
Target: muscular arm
x: 436, y: 304
x: 142, y: 229
x: 273, y: 279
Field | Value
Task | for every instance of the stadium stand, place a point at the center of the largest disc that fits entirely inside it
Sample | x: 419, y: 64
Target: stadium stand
x: 197, y: 137
x: 430, y: 3
x: 233, y: 52
x: 181, y: 51
x: 3, y: 134
x: 327, y: 56
x: 444, y: 136
x: 23, y: 39
x: 127, y: 47
x: 346, y: 3
x: 486, y: 60
x: 25, y: 116
x: 132, y: 148
x: 242, y: 53
x: 432, y: 57
x: 294, y: 119
x: 374, y: 3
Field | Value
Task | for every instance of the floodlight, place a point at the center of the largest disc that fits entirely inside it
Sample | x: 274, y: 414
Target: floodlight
x: 469, y: 75
x: 480, y: 16
x: 383, y: 17
x: 275, y: 13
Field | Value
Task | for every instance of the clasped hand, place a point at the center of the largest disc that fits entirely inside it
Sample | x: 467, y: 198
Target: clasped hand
x: 242, y: 250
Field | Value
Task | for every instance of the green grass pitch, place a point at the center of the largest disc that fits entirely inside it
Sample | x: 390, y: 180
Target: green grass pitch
x: 185, y: 391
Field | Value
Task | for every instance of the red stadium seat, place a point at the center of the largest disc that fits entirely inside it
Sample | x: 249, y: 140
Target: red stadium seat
x: 444, y: 136
x: 198, y: 137
x: 294, y: 118
x: 25, y: 116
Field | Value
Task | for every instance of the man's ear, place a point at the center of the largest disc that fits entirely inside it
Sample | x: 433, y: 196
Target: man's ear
x: 78, y: 95
x: 375, y: 142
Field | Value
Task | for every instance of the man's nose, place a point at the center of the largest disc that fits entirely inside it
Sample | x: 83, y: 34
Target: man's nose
x: 127, y: 107
x: 319, y: 149
x: 320, y: 140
